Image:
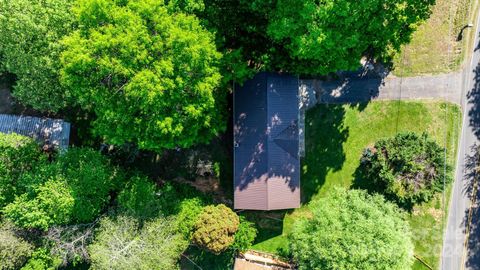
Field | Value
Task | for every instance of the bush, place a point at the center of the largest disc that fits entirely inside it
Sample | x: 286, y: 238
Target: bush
x: 215, y: 228
x: 42, y: 260
x: 245, y: 235
x: 139, y: 198
x: 52, y: 203
x: 407, y: 168
x: 14, y: 251
x: 352, y: 230
x: 91, y: 179
x: 188, y: 214
x: 18, y: 154
x: 75, y: 188
x: 121, y: 244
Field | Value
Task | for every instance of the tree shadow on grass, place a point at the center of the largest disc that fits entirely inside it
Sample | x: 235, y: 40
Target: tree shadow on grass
x: 472, y: 216
x: 324, y: 138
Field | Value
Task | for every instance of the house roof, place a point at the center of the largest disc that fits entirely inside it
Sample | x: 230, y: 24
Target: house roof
x: 55, y: 130
x: 266, y: 151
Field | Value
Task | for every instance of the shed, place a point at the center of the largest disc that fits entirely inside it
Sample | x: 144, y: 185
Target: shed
x: 266, y: 143
x: 56, y: 131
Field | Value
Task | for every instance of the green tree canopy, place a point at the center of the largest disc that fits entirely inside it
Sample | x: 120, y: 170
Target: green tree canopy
x: 309, y: 36
x: 121, y: 244
x: 29, y: 48
x: 350, y: 229
x: 150, y: 74
x: 215, y: 228
x: 407, y: 168
x: 18, y: 155
x: 327, y: 36
x: 139, y: 198
x: 73, y: 188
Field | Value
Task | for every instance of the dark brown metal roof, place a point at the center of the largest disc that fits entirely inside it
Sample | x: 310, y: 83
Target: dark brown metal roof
x: 267, y: 163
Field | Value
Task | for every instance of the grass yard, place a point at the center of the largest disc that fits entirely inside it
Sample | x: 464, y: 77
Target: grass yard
x: 335, y: 138
x: 434, y: 47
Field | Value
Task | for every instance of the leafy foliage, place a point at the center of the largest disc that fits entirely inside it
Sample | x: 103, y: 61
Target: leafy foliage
x: 327, y: 36
x: 42, y: 260
x: 310, y: 37
x: 149, y: 74
x: 241, y: 34
x: 245, y: 235
x: 139, y: 198
x: 121, y: 244
x: 407, y: 168
x: 352, y: 230
x: 29, y: 48
x: 91, y: 178
x: 51, y: 203
x: 215, y: 228
x: 18, y: 155
x: 14, y: 251
x: 74, y: 188
x: 189, y: 212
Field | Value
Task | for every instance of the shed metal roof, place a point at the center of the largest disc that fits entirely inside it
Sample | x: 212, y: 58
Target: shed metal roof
x: 56, y: 131
x: 267, y: 162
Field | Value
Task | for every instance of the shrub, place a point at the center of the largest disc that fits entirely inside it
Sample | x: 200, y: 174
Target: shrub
x: 352, y: 230
x: 215, y: 228
x: 42, y: 260
x: 139, y: 198
x: 14, y: 251
x: 52, y: 203
x: 120, y: 244
x: 407, y: 168
x: 91, y: 179
x: 245, y: 235
x: 188, y: 214
x: 75, y: 188
x: 18, y: 154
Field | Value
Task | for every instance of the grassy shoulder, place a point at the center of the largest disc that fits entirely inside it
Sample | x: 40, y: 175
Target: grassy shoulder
x: 435, y: 47
x: 335, y: 138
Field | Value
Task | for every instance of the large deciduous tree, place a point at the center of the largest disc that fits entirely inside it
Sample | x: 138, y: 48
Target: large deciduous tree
x: 310, y: 36
x: 29, y: 48
x: 148, y: 71
x: 352, y: 230
x: 327, y: 36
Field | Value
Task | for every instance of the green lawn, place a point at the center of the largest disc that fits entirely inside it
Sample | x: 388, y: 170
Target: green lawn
x: 335, y: 138
x: 434, y: 47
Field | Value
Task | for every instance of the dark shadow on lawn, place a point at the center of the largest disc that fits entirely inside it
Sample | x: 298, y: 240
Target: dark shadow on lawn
x: 269, y: 225
x: 324, y: 138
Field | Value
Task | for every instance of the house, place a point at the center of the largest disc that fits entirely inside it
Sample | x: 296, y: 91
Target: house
x: 267, y: 143
x: 55, y: 131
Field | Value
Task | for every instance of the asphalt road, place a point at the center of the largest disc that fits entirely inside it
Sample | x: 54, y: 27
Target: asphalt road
x: 458, y: 252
